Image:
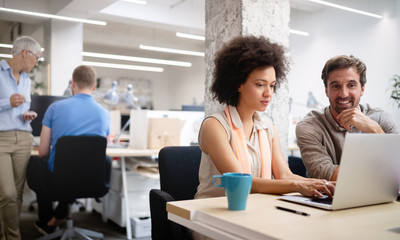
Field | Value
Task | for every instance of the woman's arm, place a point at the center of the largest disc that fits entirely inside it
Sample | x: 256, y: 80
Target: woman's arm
x: 214, y: 141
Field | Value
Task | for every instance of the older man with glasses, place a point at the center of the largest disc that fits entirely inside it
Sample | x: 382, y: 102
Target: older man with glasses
x: 15, y: 131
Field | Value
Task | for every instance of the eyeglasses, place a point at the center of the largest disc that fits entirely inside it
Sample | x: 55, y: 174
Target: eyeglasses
x: 36, y: 56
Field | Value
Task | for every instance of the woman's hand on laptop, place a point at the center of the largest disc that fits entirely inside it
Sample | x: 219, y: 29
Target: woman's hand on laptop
x: 316, y: 187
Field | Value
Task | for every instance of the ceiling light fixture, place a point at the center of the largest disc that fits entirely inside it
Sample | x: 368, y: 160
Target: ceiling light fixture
x: 346, y: 8
x: 298, y: 32
x: 123, y: 66
x: 45, y: 15
x: 198, y: 37
x: 171, y: 50
x: 136, y: 1
x: 5, y: 55
x: 190, y: 36
x: 41, y: 59
x: 137, y: 59
x: 3, y: 45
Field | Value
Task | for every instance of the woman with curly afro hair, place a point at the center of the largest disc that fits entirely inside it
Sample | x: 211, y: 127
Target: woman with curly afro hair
x: 247, y: 72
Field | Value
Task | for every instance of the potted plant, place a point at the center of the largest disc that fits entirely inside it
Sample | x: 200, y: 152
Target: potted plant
x: 36, y: 78
x: 396, y: 89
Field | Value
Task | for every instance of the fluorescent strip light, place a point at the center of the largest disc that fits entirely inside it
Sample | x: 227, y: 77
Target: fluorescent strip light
x: 136, y: 1
x: 346, y: 8
x: 45, y: 15
x: 137, y: 59
x: 3, y: 45
x: 190, y: 36
x: 5, y: 55
x: 6, y: 45
x: 123, y: 66
x: 298, y: 32
x: 41, y: 59
x: 171, y: 50
x: 198, y: 37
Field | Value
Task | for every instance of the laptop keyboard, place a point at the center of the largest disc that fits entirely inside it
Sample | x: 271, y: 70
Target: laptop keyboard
x: 322, y: 200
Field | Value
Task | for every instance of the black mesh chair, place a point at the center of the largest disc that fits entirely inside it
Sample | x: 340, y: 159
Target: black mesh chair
x: 80, y: 171
x: 179, y: 178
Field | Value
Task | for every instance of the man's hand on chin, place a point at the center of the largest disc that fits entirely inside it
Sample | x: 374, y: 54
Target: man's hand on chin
x: 353, y: 117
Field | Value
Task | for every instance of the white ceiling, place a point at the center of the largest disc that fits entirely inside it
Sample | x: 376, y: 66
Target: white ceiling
x: 182, y: 14
x: 177, y: 15
x: 128, y: 24
x: 169, y: 14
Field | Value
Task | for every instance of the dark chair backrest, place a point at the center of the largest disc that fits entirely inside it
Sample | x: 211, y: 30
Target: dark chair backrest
x: 80, y: 167
x: 179, y: 171
x: 179, y: 178
x: 296, y: 166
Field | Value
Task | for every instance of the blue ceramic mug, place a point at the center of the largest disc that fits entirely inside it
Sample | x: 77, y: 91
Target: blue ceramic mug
x: 237, y: 188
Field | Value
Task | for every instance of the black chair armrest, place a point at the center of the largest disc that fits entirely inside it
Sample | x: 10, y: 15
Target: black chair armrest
x: 159, y: 218
x: 161, y: 227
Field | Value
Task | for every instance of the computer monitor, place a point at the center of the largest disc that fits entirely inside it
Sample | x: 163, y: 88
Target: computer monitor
x: 198, y: 108
x: 39, y: 104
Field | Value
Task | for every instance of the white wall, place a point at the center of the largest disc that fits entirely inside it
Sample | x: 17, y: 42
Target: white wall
x: 334, y: 32
x: 187, y: 84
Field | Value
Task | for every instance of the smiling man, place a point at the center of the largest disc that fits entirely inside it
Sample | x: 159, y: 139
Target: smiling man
x: 320, y: 135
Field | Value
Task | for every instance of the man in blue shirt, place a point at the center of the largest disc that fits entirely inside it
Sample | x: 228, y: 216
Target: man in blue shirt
x: 77, y: 115
x: 15, y: 130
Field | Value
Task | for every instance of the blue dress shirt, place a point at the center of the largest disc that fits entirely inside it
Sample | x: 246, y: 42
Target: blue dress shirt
x: 11, y: 118
x: 74, y: 116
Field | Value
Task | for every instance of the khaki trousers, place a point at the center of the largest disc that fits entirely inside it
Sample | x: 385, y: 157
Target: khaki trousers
x: 15, y: 151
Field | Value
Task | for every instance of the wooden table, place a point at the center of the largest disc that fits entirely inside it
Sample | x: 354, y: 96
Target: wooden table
x: 261, y: 220
x: 122, y: 153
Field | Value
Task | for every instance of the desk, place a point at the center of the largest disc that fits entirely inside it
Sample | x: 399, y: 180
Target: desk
x: 128, y: 152
x: 261, y: 220
x: 122, y: 153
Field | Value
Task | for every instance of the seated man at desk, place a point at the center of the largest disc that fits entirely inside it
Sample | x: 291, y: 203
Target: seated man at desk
x: 77, y: 115
x: 321, y: 134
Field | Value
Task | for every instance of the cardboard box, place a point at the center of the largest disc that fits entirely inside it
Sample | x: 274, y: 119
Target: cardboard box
x: 164, y: 132
x: 115, y: 122
x: 141, y: 227
x: 140, y: 129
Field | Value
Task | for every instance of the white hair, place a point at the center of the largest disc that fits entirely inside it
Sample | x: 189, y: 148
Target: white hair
x: 25, y: 42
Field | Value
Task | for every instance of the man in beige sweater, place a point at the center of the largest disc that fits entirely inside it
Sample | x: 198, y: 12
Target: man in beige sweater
x: 320, y: 135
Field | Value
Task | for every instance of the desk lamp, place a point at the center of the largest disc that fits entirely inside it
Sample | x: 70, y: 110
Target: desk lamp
x: 129, y: 100
x: 68, y: 90
x: 312, y: 101
x: 111, y: 97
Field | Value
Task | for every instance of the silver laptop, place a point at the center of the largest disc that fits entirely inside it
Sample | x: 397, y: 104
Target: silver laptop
x: 369, y: 173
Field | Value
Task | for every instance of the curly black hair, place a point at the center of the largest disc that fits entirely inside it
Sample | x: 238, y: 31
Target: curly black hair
x: 343, y: 62
x: 241, y: 56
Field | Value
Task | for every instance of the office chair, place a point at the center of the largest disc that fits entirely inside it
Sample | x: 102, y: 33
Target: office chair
x: 80, y: 171
x: 179, y: 178
x: 296, y: 166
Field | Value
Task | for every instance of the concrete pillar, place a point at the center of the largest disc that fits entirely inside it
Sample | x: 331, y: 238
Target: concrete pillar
x: 226, y: 19
x: 63, y: 43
